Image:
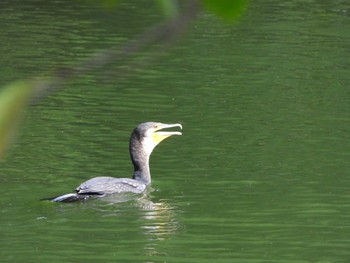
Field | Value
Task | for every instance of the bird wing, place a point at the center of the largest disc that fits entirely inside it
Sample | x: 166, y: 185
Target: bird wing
x: 109, y: 185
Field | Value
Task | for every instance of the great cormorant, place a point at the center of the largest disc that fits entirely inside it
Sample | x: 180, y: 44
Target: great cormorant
x: 142, y: 142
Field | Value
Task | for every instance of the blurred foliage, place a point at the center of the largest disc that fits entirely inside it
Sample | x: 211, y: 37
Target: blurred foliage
x: 13, y: 100
x: 170, y: 8
x: 226, y: 9
x: 15, y: 96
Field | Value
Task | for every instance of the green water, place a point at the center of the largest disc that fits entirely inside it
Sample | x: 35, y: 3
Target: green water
x: 261, y: 173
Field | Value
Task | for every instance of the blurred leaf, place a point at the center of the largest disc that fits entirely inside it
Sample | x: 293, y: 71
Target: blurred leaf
x: 13, y: 99
x: 170, y: 8
x: 227, y: 9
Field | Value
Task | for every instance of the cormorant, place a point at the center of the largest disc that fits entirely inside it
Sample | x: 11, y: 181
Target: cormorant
x: 142, y: 142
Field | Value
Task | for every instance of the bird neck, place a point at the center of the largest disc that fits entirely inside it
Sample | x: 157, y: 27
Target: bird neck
x: 142, y: 174
x: 140, y: 159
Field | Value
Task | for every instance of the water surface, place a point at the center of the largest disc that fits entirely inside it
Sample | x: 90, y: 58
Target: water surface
x: 261, y: 173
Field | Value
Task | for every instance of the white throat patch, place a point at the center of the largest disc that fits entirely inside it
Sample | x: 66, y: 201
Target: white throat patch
x: 148, y: 145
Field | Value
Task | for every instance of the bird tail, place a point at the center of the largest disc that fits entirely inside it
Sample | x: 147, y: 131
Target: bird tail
x: 67, y: 198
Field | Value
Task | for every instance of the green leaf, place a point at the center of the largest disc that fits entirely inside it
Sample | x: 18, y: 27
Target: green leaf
x: 226, y: 9
x: 13, y: 99
x: 169, y: 8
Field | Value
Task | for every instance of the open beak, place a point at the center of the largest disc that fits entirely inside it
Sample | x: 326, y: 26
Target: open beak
x: 167, y: 126
x: 159, y: 135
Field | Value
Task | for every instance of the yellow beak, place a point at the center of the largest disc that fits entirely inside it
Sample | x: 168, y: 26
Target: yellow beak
x: 159, y: 136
